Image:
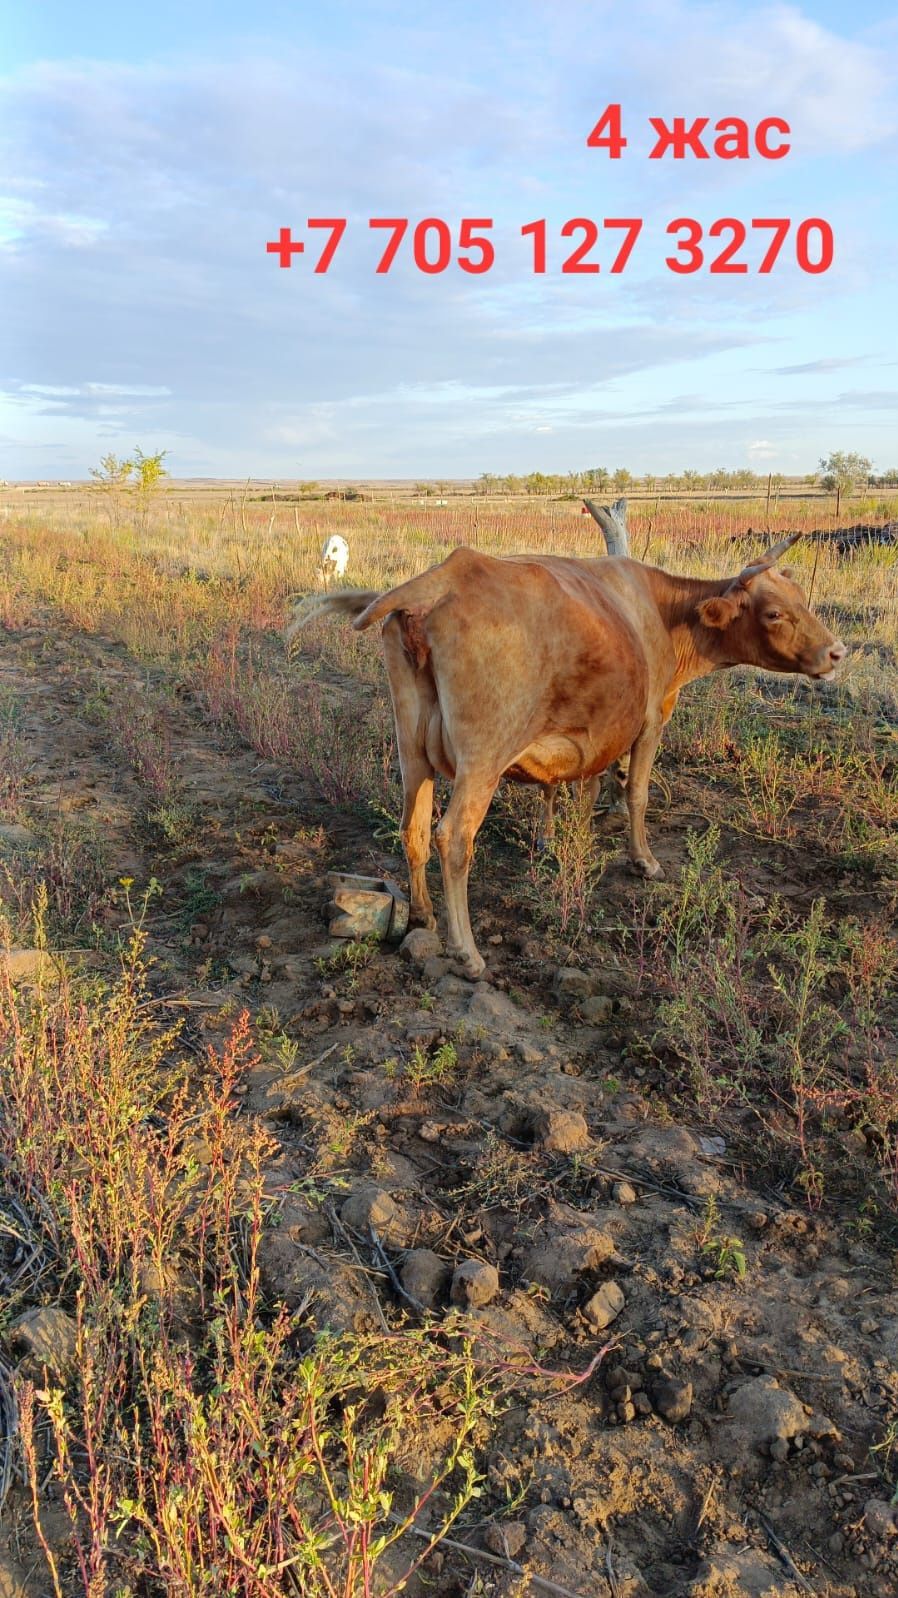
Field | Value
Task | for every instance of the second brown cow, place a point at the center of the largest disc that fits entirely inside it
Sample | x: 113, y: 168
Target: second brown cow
x: 545, y: 669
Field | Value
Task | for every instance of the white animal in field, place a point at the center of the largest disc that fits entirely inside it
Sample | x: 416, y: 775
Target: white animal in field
x: 335, y: 556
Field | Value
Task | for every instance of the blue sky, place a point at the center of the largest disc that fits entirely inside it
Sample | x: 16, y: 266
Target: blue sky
x: 147, y: 157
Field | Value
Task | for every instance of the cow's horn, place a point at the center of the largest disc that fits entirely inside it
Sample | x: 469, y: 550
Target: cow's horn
x: 768, y: 559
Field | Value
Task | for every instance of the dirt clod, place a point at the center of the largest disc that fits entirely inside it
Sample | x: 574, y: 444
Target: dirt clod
x: 506, y: 1538
x: 46, y: 1337
x: 474, y: 1283
x: 573, y: 984
x: 424, y: 1276
x: 741, y: 1575
x: 13, y: 1581
x: 368, y: 1206
x: 420, y: 945
x: 597, y: 1009
x: 564, y: 1251
x: 672, y: 1398
x: 605, y: 1305
x: 880, y: 1519
x: 761, y: 1413
x: 562, y: 1131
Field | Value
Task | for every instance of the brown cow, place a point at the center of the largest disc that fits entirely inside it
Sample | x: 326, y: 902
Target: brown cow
x: 547, y: 669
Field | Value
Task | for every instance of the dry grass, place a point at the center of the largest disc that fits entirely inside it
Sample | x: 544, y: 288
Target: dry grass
x: 195, y: 1448
x: 199, y: 1449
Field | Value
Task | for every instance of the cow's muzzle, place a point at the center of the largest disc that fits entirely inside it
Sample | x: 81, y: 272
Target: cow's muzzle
x: 831, y: 659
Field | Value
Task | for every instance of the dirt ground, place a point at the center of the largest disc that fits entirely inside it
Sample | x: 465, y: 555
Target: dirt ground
x: 721, y: 1446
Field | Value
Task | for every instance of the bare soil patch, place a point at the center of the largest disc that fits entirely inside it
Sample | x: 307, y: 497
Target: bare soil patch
x: 513, y: 1148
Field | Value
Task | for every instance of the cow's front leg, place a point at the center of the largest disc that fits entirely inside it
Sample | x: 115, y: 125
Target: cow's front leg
x: 455, y: 841
x: 642, y: 758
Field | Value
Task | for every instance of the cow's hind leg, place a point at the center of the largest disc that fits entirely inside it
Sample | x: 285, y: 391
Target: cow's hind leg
x: 417, y: 812
x: 547, y: 818
x: 413, y: 699
x: 584, y: 791
x: 614, y: 792
x: 455, y: 841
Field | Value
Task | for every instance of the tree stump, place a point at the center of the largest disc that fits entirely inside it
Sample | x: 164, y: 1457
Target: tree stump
x: 613, y: 521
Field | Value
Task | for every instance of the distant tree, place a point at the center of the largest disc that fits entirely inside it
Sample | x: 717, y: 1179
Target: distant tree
x: 597, y: 479
x: 621, y: 480
x: 112, y: 477
x: 843, y: 471
x: 536, y: 483
x: 147, y: 474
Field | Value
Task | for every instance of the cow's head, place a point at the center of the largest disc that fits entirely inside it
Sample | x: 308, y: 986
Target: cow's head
x: 762, y: 619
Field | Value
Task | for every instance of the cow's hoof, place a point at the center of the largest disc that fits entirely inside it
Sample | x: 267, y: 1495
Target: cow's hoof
x: 472, y: 967
x: 423, y: 918
x: 650, y: 868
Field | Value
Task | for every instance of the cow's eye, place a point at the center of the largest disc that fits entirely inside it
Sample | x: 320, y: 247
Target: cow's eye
x: 774, y: 615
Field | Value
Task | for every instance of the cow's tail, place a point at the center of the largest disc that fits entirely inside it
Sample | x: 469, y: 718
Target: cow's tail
x: 419, y: 594
x: 345, y: 602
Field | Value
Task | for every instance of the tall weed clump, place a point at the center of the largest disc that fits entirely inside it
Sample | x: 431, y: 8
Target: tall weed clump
x: 201, y: 1442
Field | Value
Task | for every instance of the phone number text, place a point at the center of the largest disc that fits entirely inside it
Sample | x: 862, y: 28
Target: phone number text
x: 579, y: 245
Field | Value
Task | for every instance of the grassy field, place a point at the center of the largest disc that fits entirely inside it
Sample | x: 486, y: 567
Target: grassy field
x: 223, y: 1138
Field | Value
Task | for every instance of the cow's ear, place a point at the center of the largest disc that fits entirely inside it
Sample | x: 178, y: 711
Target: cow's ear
x: 722, y: 609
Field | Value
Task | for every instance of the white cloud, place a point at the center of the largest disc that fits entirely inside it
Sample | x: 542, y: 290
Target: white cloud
x: 144, y: 193
x: 736, y: 59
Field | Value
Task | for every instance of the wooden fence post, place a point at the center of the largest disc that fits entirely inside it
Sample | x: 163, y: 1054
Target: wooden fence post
x: 613, y: 521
